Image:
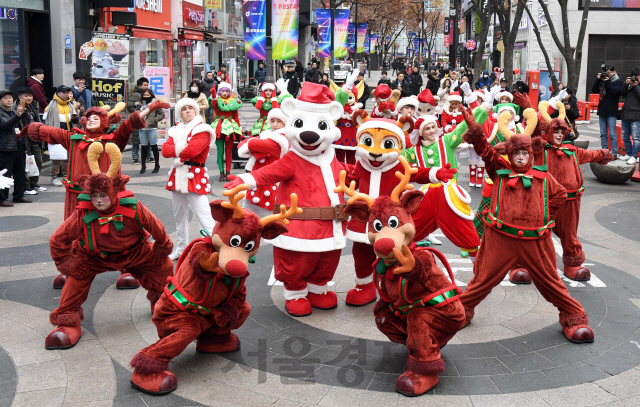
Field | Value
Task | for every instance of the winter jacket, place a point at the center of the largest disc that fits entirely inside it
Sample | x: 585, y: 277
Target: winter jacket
x: 8, y: 123
x: 609, y: 95
x: 433, y: 83
x: 572, y: 113
x: 38, y: 93
x: 385, y: 81
x: 134, y: 104
x: 86, y: 96
x: 416, y: 83
x: 153, y: 118
x: 206, y: 86
x: 30, y: 114
x: 365, y: 94
x: 294, y: 83
x: 482, y: 81
x: 326, y: 83
x: 406, y: 86
x: 313, y: 75
x: 261, y: 75
x: 203, y: 104
x: 631, y: 108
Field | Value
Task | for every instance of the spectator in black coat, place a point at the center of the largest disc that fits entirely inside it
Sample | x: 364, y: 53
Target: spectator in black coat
x: 367, y: 92
x: 294, y: 83
x: 261, y: 74
x: 416, y: 81
x: 12, y: 155
x: 325, y: 80
x: 433, y: 82
x: 384, y: 80
x: 608, y: 86
x: 313, y: 74
x: 394, y: 65
x: 631, y: 116
x: 402, y: 84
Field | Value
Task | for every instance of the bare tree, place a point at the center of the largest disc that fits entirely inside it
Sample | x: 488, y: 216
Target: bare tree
x: 509, y: 31
x: 483, y: 11
x: 552, y: 75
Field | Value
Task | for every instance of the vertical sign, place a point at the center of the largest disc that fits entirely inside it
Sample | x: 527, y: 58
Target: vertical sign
x: 446, y: 31
x: 255, y: 29
x: 323, y: 19
x: 362, y: 32
x: 110, y: 56
x: 159, y: 85
x: 352, y: 38
x: 416, y: 46
x: 341, y: 27
x: 284, y: 29
x: 374, y: 41
x: 366, y: 44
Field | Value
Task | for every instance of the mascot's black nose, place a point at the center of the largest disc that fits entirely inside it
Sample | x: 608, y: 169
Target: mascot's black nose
x: 309, y: 137
x: 374, y: 156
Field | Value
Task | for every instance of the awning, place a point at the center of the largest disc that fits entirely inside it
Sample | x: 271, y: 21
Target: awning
x: 214, y: 37
x: 152, y: 34
x: 186, y: 34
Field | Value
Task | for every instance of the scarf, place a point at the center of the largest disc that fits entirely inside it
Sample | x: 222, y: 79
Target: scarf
x: 63, y: 108
x: 194, y: 95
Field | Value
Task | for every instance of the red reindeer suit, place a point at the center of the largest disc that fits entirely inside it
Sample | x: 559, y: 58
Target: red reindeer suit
x: 206, y: 299
x: 563, y: 160
x: 91, y: 242
x: 418, y: 307
x: 520, y: 217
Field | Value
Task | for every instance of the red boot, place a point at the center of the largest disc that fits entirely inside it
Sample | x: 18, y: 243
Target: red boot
x: 472, y: 174
x: 328, y: 300
x: 59, y: 281
x: 519, y: 275
x: 578, y: 333
x: 127, y: 282
x: 412, y: 384
x: 157, y: 383
x: 479, y: 177
x: 63, y: 337
x: 577, y: 273
x: 362, y: 295
x: 218, y: 343
x: 300, y: 307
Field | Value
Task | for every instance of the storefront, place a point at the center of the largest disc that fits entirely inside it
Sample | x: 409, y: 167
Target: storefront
x: 191, y: 48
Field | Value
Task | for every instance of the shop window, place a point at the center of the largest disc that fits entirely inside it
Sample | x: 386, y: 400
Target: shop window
x: 10, y: 46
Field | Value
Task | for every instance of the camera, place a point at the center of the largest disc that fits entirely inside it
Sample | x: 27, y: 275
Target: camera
x: 633, y: 79
x: 605, y: 67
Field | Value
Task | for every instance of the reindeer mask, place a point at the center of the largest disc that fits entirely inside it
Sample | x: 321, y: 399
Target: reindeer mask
x: 98, y: 183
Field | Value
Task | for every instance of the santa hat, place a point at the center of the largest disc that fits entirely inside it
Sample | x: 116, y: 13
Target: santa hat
x: 387, y: 124
x: 424, y: 120
x: 267, y: 86
x: 515, y: 109
x: 502, y: 94
x: 186, y: 101
x: 426, y: 97
x: 316, y: 94
x: 408, y: 101
x: 224, y: 85
x: 382, y: 92
x: 455, y: 96
x: 278, y: 114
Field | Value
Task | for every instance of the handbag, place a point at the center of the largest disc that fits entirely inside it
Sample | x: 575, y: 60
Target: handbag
x: 31, y: 168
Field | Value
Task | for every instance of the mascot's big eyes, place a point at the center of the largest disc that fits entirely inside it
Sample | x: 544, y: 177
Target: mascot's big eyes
x: 367, y: 141
x: 298, y: 124
x: 235, y: 241
x: 389, y: 144
x: 323, y: 125
x: 249, y: 246
x: 377, y: 225
x: 393, y: 222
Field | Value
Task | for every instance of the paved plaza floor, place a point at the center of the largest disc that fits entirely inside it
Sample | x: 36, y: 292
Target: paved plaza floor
x: 512, y: 354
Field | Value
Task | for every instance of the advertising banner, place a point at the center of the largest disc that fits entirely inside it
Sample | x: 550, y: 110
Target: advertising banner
x: 341, y: 27
x: 110, y: 57
x: 374, y: 42
x: 366, y: 44
x: 159, y: 85
x: 416, y: 46
x: 108, y: 91
x: 352, y: 38
x: 323, y: 19
x: 255, y: 29
x: 362, y: 32
x: 284, y: 29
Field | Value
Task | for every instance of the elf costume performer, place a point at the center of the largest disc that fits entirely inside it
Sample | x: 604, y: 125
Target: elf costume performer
x: 518, y: 225
x: 306, y: 257
x: 563, y: 160
x: 96, y: 122
x: 380, y: 145
x: 226, y: 125
x: 451, y: 115
x: 206, y: 299
x: 419, y: 306
x: 267, y: 148
x: 445, y: 205
x: 348, y: 96
x: 265, y: 102
x: 386, y: 102
x: 109, y: 230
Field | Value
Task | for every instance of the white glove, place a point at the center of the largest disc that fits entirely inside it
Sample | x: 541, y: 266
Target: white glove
x: 562, y: 95
x: 466, y: 88
x: 553, y: 103
x: 177, y: 162
x: 351, y: 79
x: 261, y: 99
x: 4, y: 181
x: 282, y: 84
x: 219, y: 79
x: 462, y: 147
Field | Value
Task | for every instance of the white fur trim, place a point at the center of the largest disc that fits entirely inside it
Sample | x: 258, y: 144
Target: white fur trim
x: 504, y: 93
x: 317, y: 289
x: 470, y: 98
x: 294, y: 295
x: 455, y: 98
x: 225, y: 85
x: 278, y: 114
x: 408, y: 101
x: 249, y: 180
x: 432, y: 175
x: 267, y: 86
x: 414, y: 137
x: 311, y: 245
x: 364, y: 281
x: 380, y: 124
x: 186, y: 101
x: 179, y: 147
x: 358, y: 237
x: 462, y: 196
x: 190, y: 175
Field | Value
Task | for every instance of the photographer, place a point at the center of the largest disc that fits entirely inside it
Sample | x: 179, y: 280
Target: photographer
x: 631, y: 117
x: 608, y: 85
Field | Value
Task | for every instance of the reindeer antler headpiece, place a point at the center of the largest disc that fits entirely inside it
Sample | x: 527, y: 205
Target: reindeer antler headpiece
x: 543, y: 108
x: 504, y: 118
x: 235, y: 195
x: 111, y: 182
x: 404, y: 179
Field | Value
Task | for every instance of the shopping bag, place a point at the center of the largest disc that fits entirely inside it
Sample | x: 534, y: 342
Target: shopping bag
x: 31, y: 168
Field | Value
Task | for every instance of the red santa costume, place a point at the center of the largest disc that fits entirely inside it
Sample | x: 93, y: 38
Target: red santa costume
x: 345, y: 147
x: 408, y: 101
x: 306, y: 257
x: 450, y: 118
x: 188, y: 144
x: 386, y: 101
x: 261, y: 151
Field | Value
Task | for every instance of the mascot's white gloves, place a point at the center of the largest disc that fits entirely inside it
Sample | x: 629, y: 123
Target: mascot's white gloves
x: 351, y: 79
x: 261, y: 99
x: 489, y: 99
x: 177, y: 162
x: 282, y: 84
x: 4, y: 181
x: 466, y: 88
x: 462, y: 147
x: 562, y: 95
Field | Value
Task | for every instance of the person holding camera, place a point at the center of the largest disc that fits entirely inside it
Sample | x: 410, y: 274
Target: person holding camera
x: 631, y: 117
x: 608, y: 85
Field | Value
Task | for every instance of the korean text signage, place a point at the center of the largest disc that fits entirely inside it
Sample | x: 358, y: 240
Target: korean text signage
x: 192, y: 16
x: 362, y: 33
x: 284, y: 29
x: 341, y: 31
x: 255, y: 29
x: 323, y: 19
x: 213, y: 4
x: 108, y: 91
x: 110, y: 57
x: 159, y: 85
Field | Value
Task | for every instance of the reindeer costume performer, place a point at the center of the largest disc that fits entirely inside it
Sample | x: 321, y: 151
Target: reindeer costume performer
x: 418, y: 307
x: 109, y: 230
x: 518, y: 223
x: 77, y: 143
x: 206, y: 299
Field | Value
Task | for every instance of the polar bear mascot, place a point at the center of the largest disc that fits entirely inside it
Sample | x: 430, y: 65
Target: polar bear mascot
x: 306, y: 257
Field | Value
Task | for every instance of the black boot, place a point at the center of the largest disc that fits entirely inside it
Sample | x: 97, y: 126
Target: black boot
x: 143, y: 161
x: 222, y: 177
x: 156, y: 158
